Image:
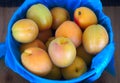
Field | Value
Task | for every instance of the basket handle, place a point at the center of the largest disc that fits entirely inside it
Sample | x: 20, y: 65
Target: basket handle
x: 2, y: 49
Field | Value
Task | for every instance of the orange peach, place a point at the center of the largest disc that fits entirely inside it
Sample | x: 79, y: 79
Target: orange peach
x: 84, y: 17
x: 37, y: 61
x: 62, y: 51
x: 59, y: 15
x: 35, y: 43
x: 70, y: 30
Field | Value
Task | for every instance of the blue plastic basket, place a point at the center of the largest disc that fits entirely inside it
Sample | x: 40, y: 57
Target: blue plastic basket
x: 10, y: 48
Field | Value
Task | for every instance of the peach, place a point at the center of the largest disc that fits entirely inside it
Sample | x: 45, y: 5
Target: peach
x: 25, y: 30
x: 37, y: 61
x: 41, y: 15
x: 59, y: 15
x: 76, y: 69
x: 95, y: 38
x: 45, y: 35
x: 84, y: 17
x: 70, y: 30
x: 35, y: 43
x: 62, y: 51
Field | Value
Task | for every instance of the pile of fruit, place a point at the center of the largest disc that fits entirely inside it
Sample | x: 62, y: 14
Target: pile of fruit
x: 53, y: 46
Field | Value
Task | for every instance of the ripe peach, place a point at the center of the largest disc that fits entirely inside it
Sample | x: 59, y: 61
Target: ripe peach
x: 41, y: 15
x: 37, y: 61
x: 59, y: 15
x: 35, y: 43
x: 62, y: 51
x: 95, y: 38
x: 84, y: 17
x: 70, y: 30
x: 44, y: 35
x: 25, y: 30
x: 76, y: 69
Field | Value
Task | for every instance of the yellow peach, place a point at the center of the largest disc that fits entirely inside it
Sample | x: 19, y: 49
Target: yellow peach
x: 62, y: 51
x: 25, y: 30
x: 37, y: 61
